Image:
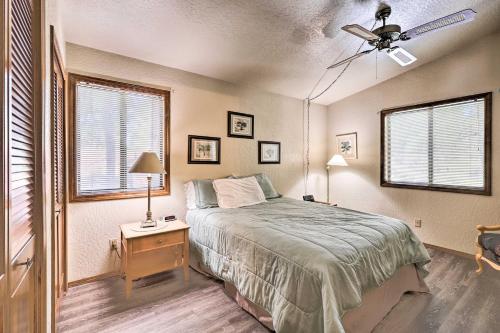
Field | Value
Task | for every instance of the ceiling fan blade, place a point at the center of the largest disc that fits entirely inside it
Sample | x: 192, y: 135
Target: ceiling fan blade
x: 361, y: 32
x: 460, y: 17
x: 401, y: 56
x: 345, y: 61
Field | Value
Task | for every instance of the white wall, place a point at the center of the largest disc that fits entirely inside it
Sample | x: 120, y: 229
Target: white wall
x: 199, y: 106
x: 449, y: 219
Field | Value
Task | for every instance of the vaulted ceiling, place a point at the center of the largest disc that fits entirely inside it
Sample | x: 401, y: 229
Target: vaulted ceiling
x: 274, y: 45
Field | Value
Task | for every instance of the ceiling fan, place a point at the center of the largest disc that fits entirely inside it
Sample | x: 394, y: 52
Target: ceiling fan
x: 382, y: 37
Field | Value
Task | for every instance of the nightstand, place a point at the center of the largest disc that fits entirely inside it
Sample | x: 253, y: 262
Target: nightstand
x: 147, y: 251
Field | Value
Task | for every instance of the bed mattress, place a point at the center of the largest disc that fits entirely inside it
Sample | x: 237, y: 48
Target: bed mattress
x: 304, y: 263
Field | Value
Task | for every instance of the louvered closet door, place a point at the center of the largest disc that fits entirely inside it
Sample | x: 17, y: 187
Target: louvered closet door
x: 58, y: 177
x: 21, y: 166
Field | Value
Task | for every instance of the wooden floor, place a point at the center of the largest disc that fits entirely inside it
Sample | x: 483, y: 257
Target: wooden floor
x: 460, y: 301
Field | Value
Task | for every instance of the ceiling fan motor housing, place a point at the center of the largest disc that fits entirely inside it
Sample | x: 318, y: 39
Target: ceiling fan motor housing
x: 388, y: 34
x: 383, y: 12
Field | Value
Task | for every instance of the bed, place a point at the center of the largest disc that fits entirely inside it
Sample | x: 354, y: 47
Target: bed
x: 307, y: 267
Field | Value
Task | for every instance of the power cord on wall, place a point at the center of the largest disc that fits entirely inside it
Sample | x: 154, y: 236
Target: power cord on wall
x: 114, y: 247
x: 339, y: 75
x: 118, y: 254
x: 306, y: 137
x: 307, y: 111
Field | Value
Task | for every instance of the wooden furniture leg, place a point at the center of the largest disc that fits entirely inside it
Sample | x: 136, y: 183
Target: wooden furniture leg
x: 479, y: 263
x: 185, y: 257
x: 128, y: 286
x: 479, y: 253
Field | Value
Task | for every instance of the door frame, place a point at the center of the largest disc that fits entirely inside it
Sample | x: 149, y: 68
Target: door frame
x: 40, y: 206
x: 4, y: 261
x: 56, y: 58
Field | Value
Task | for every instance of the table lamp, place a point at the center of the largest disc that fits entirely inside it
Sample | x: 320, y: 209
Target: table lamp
x: 336, y: 160
x: 148, y: 163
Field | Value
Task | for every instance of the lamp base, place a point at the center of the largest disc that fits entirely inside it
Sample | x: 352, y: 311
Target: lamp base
x: 149, y: 216
x: 148, y: 224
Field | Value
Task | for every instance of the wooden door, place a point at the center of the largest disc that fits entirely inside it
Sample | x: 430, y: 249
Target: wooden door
x: 21, y: 165
x: 58, y: 172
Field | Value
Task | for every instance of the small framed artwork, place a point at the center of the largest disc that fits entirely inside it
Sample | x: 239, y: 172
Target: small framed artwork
x: 347, y: 145
x: 269, y: 152
x: 240, y: 125
x: 203, y: 150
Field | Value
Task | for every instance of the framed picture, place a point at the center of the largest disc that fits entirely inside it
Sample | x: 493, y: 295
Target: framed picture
x: 347, y: 145
x: 203, y: 150
x: 240, y: 125
x: 269, y: 152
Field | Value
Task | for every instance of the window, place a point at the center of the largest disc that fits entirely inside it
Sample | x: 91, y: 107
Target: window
x: 112, y: 123
x: 444, y: 146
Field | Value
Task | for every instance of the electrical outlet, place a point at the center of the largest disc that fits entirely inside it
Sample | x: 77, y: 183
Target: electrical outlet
x: 113, y: 244
x: 418, y: 223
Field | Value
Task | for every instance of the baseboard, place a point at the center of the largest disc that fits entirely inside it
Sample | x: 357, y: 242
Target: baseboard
x: 92, y: 279
x: 455, y: 252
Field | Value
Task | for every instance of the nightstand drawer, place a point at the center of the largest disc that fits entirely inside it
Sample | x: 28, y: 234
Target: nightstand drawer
x: 157, y: 241
x: 154, y: 261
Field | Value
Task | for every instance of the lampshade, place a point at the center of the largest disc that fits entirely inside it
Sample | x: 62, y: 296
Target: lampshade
x: 337, y: 160
x: 148, y: 162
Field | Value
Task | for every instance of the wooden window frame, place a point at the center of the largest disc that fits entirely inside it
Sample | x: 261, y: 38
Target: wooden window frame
x: 443, y: 188
x: 73, y: 79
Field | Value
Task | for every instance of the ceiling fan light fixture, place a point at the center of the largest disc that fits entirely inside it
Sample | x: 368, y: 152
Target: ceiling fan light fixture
x: 361, y: 32
x: 401, y: 56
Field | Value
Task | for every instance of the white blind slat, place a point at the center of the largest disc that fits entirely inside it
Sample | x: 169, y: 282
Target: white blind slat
x: 441, y: 145
x: 113, y: 127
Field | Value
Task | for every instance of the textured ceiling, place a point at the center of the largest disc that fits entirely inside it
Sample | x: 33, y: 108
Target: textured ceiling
x: 274, y: 45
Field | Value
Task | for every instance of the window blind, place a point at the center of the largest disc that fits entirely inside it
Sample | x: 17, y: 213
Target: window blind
x: 440, y: 145
x: 113, y: 126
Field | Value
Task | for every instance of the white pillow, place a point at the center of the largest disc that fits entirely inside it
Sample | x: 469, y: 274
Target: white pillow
x: 234, y: 193
x: 190, y: 195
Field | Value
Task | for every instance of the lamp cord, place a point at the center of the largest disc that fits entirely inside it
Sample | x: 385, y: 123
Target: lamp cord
x: 341, y: 73
x: 307, y: 144
x: 306, y: 112
x: 118, y: 254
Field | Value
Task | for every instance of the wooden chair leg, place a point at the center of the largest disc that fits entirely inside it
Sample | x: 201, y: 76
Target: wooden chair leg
x: 480, y: 252
x: 479, y: 263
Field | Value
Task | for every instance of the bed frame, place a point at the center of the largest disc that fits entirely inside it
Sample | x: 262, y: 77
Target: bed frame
x: 376, y: 303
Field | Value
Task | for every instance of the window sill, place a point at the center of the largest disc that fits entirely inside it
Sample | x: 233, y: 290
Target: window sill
x: 463, y: 190
x: 117, y: 195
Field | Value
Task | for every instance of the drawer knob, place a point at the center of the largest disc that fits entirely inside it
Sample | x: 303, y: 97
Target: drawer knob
x: 160, y: 241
